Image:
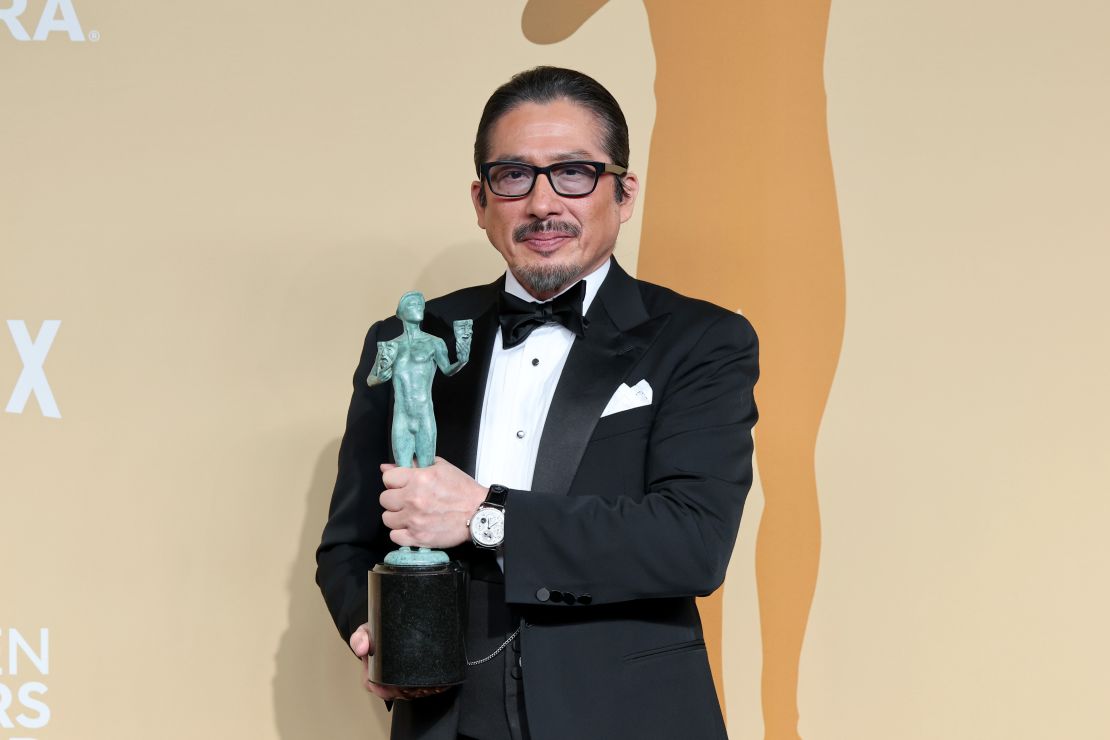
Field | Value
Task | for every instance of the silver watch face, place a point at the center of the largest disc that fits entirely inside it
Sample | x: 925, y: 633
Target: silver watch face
x: 487, y: 528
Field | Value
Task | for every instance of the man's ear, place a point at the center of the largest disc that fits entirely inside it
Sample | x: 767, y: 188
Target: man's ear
x: 631, y: 190
x: 478, y: 198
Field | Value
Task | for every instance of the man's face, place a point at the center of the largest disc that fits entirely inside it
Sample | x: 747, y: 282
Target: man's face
x: 578, y: 233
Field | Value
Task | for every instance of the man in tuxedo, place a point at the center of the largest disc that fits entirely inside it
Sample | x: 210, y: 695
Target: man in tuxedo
x: 605, y: 421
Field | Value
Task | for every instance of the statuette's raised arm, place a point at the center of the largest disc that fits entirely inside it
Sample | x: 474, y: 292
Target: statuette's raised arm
x: 463, y: 330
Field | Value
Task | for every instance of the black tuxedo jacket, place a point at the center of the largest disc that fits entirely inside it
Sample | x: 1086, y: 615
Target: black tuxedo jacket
x: 629, y: 518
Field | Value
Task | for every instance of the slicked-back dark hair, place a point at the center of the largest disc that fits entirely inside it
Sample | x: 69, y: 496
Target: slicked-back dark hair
x: 543, y: 85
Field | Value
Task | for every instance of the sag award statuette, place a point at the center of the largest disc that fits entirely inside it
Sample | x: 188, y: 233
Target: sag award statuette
x: 417, y: 596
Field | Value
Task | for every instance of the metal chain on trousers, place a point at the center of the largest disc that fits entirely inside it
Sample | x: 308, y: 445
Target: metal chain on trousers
x: 499, y: 650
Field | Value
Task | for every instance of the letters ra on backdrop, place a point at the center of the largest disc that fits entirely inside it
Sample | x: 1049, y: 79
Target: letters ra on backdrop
x: 46, y: 18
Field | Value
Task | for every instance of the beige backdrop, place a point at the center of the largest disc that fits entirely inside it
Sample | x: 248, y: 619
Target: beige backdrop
x: 215, y: 199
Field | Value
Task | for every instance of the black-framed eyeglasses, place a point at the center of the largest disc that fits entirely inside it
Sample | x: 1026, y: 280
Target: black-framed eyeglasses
x: 573, y: 179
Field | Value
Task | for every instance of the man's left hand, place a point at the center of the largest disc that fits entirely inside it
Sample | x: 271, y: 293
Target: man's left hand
x: 429, y: 507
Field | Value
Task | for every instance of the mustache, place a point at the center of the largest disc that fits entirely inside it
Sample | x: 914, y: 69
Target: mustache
x: 520, y: 233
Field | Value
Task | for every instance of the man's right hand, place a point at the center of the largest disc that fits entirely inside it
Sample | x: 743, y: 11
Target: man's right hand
x: 364, y: 648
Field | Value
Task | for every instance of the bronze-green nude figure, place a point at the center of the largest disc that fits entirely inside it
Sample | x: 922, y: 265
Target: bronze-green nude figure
x: 410, y: 361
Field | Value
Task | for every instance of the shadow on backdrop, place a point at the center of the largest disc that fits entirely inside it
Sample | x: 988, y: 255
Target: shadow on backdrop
x: 317, y: 692
x: 741, y: 210
x: 459, y: 266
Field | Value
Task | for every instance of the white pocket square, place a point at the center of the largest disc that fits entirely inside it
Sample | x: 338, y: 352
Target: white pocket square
x: 627, y: 398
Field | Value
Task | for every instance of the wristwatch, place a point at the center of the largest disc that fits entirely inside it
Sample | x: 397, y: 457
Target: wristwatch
x: 487, y: 526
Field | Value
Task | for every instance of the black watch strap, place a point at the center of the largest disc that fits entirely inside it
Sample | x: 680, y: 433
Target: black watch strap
x: 497, y: 496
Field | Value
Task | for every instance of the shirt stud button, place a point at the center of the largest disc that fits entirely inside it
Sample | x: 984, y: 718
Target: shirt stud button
x: 520, y: 434
x: 535, y: 361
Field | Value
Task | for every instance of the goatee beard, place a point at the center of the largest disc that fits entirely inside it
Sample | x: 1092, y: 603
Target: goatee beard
x: 544, y: 279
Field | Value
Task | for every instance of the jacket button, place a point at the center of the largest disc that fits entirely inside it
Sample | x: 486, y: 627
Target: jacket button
x: 568, y: 597
x: 556, y: 596
x: 542, y: 594
x: 585, y: 599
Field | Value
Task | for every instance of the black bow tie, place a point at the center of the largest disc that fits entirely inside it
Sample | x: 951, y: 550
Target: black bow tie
x: 519, y: 317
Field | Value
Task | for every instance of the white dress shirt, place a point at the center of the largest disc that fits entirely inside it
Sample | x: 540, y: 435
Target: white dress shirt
x: 519, y: 389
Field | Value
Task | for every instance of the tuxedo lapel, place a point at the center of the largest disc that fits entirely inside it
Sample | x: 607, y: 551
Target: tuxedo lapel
x: 619, y: 332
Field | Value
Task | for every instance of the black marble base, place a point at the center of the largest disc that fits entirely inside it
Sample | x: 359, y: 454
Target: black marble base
x: 417, y: 623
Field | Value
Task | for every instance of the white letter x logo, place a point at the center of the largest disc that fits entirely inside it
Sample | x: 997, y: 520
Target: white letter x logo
x: 33, y: 379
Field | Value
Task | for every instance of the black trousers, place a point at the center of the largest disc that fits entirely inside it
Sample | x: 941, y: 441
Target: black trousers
x: 491, y: 699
